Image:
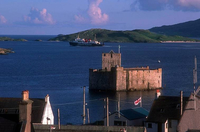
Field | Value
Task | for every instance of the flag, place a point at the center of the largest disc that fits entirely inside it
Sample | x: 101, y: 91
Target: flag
x: 138, y: 101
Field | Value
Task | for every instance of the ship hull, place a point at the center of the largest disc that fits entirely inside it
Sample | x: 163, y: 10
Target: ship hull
x: 84, y: 44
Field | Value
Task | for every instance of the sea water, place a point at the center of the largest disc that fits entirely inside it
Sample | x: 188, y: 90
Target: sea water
x: 61, y: 70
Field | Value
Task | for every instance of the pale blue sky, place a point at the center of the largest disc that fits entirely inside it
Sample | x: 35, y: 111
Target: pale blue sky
x: 52, y: 17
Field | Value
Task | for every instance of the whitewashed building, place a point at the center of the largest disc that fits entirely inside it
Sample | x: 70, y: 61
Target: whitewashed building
x: 48, y: 117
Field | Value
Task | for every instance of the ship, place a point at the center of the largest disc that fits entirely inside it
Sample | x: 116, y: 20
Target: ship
x: 85, y: 42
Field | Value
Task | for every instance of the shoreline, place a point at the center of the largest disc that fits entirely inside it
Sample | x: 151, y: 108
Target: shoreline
x: 179, y: 42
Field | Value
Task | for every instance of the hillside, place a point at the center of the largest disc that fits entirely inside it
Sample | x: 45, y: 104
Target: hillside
x: 187, y: 29
x: 132, y: 36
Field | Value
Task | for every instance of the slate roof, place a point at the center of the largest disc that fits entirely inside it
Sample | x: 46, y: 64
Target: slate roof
x: 190, y: 117
x: 165, y: 107
x: 135, y: 113
x: 193, y: 131
x: 7, y: 125
x: 9, y: 109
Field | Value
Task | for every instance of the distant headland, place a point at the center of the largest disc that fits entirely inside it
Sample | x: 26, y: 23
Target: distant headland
x: 11, y: 39
x: 129, y: 36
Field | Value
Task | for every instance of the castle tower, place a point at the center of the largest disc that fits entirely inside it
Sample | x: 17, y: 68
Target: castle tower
x: 110, y: 60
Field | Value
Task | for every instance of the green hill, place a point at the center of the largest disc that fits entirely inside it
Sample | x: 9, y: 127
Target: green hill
x: 187, y: 29
x: 130, y: 36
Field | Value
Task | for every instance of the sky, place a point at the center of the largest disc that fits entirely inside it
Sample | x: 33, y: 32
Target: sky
x: 53, y: 17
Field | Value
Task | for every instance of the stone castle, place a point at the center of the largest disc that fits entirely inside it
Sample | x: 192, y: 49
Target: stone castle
x: 113, y: 77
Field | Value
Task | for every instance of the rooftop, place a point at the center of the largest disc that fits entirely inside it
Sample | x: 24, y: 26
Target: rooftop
x: 134, y: 113
x: 165, y: 107
x: 9, y: 108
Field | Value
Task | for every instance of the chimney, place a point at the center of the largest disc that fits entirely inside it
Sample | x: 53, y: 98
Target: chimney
x: 25, y: 95
x: 25, y: 109
x: 157, y: 93
x: 47, y: 98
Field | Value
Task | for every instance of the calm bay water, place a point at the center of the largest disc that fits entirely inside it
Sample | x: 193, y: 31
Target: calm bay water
x: 60, y: 70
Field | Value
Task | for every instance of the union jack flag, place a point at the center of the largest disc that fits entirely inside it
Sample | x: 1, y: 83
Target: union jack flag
x: 138, y: 101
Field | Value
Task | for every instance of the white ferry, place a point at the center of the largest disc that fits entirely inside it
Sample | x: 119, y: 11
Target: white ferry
x: 85, y: 42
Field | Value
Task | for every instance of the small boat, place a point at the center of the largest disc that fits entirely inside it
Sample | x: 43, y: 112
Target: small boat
x: 85, y: 42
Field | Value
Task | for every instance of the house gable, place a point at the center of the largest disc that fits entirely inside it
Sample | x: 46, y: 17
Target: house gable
x: 48, y: 117
x: 190, y: 117
x: 130, y: 117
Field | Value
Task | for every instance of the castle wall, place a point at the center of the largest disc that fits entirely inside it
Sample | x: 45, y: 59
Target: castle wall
x: 143, y: 79
x: 110, y: 60
x: 125, y: 79
x: 101, y: 80
x: 120, y: 74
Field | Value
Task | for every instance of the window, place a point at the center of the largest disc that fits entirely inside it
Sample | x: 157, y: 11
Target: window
x: 149, y: 125
x: 178, y: 106
x: 124, y: 123
x: 17, y: 111
x: 116, y: 116
x: 2, y: 111
x: 162, y: 110
x: 117, y: 123
x: 169, y: 123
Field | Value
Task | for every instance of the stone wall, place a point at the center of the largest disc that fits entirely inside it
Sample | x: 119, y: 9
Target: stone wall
x: 86, y: 128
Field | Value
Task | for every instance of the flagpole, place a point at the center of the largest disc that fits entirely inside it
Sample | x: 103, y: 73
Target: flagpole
x: 141, y: 98
x: 195, y: 79
x: 119, y: 106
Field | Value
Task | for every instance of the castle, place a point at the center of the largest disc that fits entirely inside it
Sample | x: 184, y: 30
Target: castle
x: 113, y: 77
